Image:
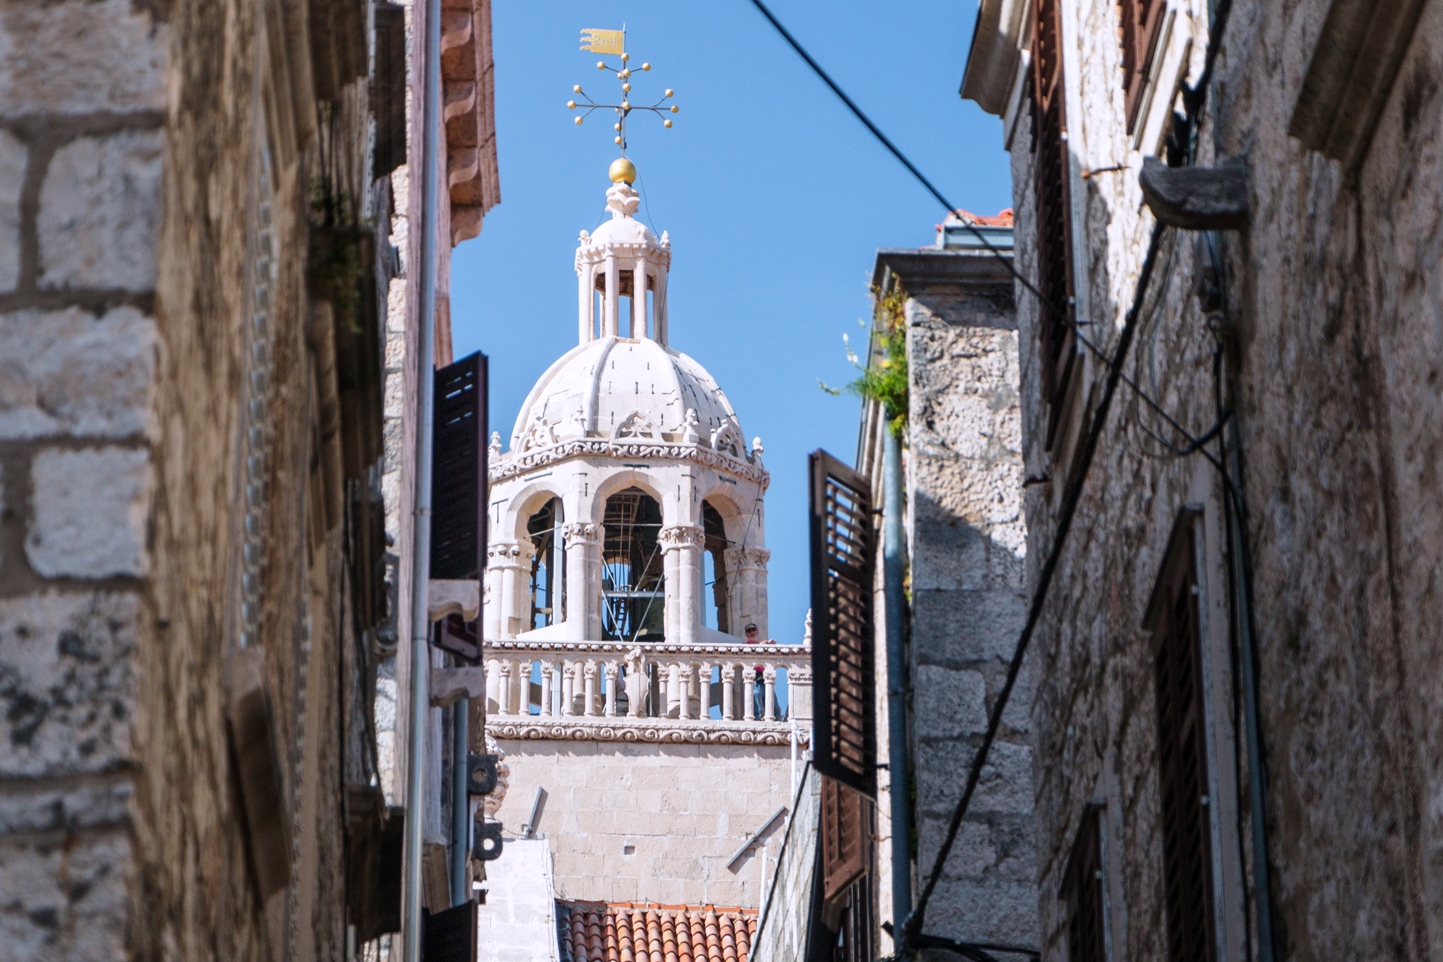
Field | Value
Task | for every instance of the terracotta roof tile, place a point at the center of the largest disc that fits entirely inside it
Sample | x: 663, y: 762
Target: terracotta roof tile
x: 648, y: 932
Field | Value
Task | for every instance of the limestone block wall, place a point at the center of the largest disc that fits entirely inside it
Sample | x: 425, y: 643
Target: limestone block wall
x: 1330, y: 355
x: 966, y: 548
x: 633, y: 821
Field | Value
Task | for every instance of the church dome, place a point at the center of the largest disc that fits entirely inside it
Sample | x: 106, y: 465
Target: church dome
x: 631, y: 386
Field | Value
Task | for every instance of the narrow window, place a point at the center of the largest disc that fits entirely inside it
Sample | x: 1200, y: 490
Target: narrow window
x: 1082, y: 892
x: 632, y: 590
x: 716, y: 564
x: 1141, y: 27
x: 546, y: 566
x: 1173, y: 619
x: 1052, y: 203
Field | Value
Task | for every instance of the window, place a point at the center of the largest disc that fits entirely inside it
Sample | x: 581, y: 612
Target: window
x: 1173, y: 619
x: 547, y: 593
x: 1052, y: 208
x: 1141, y: 28
x: 632, y: 590
x: 458, y: 490
x: 715, y: 565
x: 1083, y: 893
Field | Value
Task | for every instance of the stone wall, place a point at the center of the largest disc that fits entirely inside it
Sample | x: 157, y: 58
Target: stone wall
x: 160, y: 351
x: 631, y: 822
x: 1329, y: 354
x: 965, y: 552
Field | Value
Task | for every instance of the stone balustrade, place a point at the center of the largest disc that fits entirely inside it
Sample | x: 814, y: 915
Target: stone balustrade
x: 619, y: 691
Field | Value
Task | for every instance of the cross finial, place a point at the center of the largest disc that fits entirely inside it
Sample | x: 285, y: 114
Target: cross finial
x: 614, y: 42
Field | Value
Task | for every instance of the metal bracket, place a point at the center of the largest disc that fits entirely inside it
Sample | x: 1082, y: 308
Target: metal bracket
x: 486, y: 843
x: 483, y: 777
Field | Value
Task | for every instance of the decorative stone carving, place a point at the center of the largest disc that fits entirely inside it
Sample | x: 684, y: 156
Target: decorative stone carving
x: 581, y: 532
x: 757, y: 450
x: 524, y: 462
x: 509, y: 554
x: 728, y: 440
x: 682, y: 536
x: 503, y: 777
x: 495, y: 447
x: 747, y: 558
x: 538, y: 435
x: 689, y: 433
x: 636, y: 425
x: 656, y: 730
x: 578, y: 423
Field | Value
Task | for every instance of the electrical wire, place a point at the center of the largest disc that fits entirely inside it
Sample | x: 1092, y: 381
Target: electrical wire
x: 1004, y: 258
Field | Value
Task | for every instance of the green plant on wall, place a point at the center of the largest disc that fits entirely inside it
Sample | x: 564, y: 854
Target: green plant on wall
x: 884, y: 378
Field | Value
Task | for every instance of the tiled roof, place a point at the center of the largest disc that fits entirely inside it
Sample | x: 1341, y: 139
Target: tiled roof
x: 1000, y: 219
x: 630, y: 932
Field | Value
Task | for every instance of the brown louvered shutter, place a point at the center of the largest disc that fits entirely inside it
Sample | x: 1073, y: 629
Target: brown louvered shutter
x: 1141, y: 26
x: 1082, y: 892
x: 1053, y: 211
x: 1182, y: 758
x: 388, y: 88
x: 458, y: 490
x: 843, y: 645
x: 845, y: 837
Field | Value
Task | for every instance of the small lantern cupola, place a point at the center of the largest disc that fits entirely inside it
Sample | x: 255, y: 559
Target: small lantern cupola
x: 621, y: 269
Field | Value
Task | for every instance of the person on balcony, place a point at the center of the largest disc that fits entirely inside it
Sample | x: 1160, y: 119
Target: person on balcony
x: 759, y: 693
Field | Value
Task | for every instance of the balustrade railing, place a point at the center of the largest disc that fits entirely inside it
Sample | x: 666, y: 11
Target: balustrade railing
x: 647, y: 690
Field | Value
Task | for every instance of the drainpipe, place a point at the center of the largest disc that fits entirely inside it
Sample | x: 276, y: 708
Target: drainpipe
x: 420, y: 693
x: 460, y: 800
x: 899, y: 766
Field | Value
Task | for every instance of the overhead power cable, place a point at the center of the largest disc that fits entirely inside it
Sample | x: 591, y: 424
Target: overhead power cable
x: 876, y: 131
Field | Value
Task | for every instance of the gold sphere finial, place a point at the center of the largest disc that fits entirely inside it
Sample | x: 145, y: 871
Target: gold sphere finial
x: 622, y: 170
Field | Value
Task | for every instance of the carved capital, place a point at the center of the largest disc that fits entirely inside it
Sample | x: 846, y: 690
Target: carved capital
x: 769, y: 674
x: 510, y: 554
x: 744, y: 558
x: 579, y: 533
x: 681, y: 536
x: 798, y: 675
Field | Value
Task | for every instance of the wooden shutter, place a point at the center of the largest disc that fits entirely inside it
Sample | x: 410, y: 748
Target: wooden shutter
x: 1173, y: 619
x: 458, y: 490
x: 843, y: 644
x: 388, y: 88
x: 1052, y: 169
x: 845, y: 837
x: 450, y: 935
x: 1141, y: 27
x: 1082, y: 891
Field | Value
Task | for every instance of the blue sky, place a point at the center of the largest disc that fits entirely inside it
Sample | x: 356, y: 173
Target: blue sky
x: 775, y: 197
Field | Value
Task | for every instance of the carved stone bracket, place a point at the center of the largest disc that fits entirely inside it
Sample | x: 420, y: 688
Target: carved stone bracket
x: 581, y: 532
x: 510, y: 554
x: 1197, y: 198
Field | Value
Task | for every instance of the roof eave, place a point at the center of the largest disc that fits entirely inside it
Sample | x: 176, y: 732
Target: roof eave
x: 998, y: 39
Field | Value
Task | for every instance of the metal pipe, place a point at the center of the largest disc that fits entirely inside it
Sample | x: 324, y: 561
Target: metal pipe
x: 460, y: 801
x: 411, y: 893
x: 898, y: 764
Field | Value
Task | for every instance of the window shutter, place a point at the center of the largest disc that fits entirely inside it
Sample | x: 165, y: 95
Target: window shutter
x: 845, y: 836
x: 388, y: 88
x: 1182, y: 759
x: 1141, y: 26
x: 458, y: 490
x: 1052, y: 169
x: 843, y: 643
x: 451, y: 935
x: 1082, y: 891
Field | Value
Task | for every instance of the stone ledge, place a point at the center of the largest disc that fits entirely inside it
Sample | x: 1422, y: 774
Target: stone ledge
x: 694, y: 732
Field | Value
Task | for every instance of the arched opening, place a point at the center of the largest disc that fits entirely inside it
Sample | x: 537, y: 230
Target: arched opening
x: 633, y: 600
x: 714, y: 569
x: 548, y: 592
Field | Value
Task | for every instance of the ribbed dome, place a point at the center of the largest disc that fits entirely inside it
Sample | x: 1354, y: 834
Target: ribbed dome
x: 612, y: 379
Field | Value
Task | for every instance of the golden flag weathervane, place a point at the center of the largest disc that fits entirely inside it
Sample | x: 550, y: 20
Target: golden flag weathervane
x: 614, y: 42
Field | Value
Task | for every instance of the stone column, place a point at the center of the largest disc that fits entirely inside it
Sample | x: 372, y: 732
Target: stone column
x: 799, y: 693
x: 548, y: 672
x: 729, y: 695
x: 684, y: 542
x: 511, y: 560
x: 589, y: 688
x: 583, y: 580
x: 638, y: 300
x: 611, y: 322
x: 747, y: 587
x: 608, y: 677
x: 586, y: 324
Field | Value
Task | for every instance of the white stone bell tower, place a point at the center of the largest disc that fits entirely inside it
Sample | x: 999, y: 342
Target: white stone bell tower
x: 627, y: 554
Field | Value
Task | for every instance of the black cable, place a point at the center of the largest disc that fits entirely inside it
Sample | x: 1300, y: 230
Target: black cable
x: 911, y: 167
